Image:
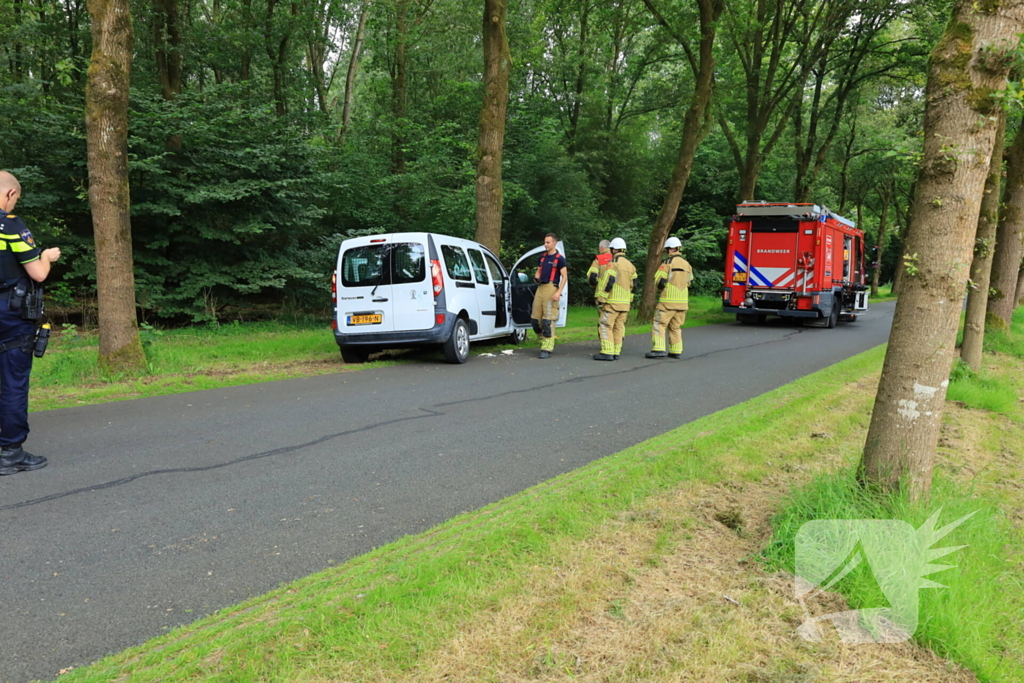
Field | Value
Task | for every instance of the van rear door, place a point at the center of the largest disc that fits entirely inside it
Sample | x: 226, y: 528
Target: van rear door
x: 364, y: 288
x: 412, y: 296
x: 523, y: 289
x: 383, y: 287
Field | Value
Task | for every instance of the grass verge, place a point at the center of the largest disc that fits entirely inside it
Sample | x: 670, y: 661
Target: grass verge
x: 637, y: 566
x: 976, y: 620
x: 196, y: 358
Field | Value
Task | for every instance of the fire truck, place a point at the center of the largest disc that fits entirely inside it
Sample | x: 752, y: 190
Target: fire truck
x: 794, y: 261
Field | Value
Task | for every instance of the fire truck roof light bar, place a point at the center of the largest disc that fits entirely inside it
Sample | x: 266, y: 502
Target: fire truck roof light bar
x: 813, y: 211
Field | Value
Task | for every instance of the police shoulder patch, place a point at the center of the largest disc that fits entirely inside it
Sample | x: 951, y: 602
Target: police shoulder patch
x: 27, y: 236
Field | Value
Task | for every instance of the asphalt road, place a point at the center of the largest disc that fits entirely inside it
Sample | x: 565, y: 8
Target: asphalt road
x: 157, y: 511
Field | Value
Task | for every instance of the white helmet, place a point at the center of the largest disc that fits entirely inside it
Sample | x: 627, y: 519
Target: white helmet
x: 618, y: 243
x: 673, y: 243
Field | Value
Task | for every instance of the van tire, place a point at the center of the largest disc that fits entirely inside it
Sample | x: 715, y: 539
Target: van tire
x: 354, y: 354
x: 518, y: 336
x: 456, y: 349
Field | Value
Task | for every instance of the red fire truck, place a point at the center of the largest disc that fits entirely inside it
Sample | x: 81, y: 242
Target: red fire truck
x: 794, y: 261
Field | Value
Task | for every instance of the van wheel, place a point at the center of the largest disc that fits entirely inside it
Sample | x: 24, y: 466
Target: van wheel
x: 456, y: 349
x: 517, y: 337
x: 354, y: 354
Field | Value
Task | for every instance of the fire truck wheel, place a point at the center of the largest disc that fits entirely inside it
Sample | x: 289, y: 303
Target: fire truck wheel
x: 833, y: 318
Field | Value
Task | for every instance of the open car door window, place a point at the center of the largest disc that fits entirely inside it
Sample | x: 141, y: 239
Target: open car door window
x: 523, y: 288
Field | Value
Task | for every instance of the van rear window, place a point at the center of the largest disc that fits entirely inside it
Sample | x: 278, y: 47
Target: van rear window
x: 401, y: 263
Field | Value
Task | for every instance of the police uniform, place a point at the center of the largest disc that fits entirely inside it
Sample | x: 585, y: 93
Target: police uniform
x: 617, y: 286
x: 673, y: 283
x: 545, y: 308
x: 17, y: 247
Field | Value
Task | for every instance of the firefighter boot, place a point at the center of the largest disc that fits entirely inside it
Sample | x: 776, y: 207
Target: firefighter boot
x: 603, y: 356
x: 14, y: 459
x: 656, y: 354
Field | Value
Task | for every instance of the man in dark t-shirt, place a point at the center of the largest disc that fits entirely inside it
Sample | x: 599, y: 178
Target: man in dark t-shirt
x: 552, y: 276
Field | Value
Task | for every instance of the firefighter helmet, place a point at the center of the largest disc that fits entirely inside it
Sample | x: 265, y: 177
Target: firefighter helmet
x: 618, y: 243
x: 673, y: 243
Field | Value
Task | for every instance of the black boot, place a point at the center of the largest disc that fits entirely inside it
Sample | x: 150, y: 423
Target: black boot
x: 14, y: 459
x: 675, y: 355
x: 603, y: 356
x: 655, y: 354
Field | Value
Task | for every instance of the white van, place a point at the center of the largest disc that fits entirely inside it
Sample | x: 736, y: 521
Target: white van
x: 422, y: 289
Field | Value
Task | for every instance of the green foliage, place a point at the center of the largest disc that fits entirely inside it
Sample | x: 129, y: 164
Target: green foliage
x: 971, y: 620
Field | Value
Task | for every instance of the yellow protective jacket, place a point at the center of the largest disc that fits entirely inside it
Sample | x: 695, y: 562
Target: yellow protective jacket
x: 677, y: 275
x: 596, y: 272
x: 617, y: 283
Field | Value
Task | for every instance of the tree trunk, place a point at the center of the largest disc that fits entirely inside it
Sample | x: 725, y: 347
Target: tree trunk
x: 399, y: 93
x: 966, y: 73
x: 883, y: 225
x: 1019, y: 297
x: 696, y: 123
x: 168, y: 52
x: 1006, y: 261
x: 497, y: 64
x: 353, y: 68
x: 106, y: 123
x: 581, y: 74
x: 981, y: 266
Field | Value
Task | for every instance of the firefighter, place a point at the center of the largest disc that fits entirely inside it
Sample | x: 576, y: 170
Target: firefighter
x: 617, y: 287
x: 596, y: 270
x: 673, y: 282
x: 552, y: 276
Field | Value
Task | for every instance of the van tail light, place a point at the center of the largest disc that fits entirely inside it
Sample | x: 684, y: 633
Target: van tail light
x: 435, y: 275
x: 439, y: 319
x: 334, y: 287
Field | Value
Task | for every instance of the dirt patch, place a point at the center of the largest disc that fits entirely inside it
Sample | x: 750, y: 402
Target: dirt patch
x: 667, y: 593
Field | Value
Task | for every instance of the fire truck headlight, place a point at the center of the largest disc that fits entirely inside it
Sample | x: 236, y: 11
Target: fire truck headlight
x: 748, y: 302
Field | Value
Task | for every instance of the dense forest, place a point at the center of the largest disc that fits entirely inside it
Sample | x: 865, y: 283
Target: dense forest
x: 263, y: 132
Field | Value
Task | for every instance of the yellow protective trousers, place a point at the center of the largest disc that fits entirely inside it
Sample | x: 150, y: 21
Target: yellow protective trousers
x: 671, y: 322
x: 545, y: 315
x: 612, y: 328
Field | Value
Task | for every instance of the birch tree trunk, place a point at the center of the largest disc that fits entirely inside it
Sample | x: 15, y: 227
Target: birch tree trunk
x: 966, y: 72
x: 106, y: 125
x: 984, y: 245
x: 1006, y: 261
x: 497, y: 64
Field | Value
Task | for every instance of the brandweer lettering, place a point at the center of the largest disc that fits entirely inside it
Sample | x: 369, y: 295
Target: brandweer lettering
x: 773, y: 251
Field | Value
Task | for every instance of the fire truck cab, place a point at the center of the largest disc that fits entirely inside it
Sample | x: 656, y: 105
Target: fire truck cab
x: 794, y: 261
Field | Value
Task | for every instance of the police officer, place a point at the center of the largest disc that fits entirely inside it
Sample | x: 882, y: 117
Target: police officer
x: 673, y: 283
x: 552, y: 276
x: 617, y: 287
x: 22, y: 265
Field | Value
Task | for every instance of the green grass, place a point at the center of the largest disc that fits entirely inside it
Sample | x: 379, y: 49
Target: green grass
x: 195, y: 358
x: 983, y: 391
x: 977, y: 617
x: 386, y: 609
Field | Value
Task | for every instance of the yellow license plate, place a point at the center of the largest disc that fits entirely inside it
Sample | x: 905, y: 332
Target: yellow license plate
x: 375, y: 319
x: 739, y: 277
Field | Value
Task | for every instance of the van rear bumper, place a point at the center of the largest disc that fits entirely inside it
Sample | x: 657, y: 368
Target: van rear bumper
x: 438, y: 334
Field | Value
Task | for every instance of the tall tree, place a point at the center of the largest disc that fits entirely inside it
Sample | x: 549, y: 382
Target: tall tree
x: 776, y: 42
x: 497, y: 64
x: 696, y: 123
x: 984, y: 246
x: 966, y: 74
x: 1006, y: 260
x: 106, y: 123
x: 353, y: 68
